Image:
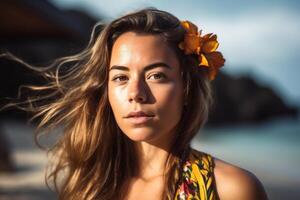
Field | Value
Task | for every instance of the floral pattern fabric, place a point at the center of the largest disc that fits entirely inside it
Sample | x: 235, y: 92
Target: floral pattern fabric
x: 197, y: 181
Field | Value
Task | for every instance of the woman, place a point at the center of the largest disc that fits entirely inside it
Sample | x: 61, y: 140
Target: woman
x: 130, y: 104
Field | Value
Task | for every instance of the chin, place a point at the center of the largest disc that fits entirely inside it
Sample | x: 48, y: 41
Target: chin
x: 140, y: 135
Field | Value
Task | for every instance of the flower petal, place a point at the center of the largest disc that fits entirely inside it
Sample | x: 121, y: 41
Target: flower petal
x: 207, y: 36
x: 190, y: 27
x: 215, y: 59
x: 203, y: 61
x: 210, y: 46
x: 191, y: 43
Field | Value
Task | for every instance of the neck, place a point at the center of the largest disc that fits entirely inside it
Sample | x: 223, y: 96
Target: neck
x: 151, y: 159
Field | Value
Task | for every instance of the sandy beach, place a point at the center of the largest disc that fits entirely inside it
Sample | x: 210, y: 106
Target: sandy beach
x: 27, y: 182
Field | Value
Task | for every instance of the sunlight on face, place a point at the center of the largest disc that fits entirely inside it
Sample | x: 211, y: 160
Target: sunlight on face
x: 145, y: 87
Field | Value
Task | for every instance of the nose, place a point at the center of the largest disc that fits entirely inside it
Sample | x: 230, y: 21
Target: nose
x: 137, y: 91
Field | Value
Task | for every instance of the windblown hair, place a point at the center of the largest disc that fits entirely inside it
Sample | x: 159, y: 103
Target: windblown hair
x: 93, y: 157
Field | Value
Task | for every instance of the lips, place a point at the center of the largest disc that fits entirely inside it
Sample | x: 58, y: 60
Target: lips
x: 139, y: 117
x: 138, y: 114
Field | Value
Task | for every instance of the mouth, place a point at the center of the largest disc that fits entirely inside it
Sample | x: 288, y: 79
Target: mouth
x: 139, y: 117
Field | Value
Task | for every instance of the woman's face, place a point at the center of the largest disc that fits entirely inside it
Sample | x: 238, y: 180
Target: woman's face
x: 145, y: 87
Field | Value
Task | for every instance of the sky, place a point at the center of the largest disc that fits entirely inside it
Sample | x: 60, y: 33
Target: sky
x: 257, y: 38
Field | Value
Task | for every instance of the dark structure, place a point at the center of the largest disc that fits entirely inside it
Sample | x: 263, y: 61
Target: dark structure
x: 36, y: 32
x: 242, y: 100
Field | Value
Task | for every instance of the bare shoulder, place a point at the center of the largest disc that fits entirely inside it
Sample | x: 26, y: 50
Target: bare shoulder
x: 233, y: 182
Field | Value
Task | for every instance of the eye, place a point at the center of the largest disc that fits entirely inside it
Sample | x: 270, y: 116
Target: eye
x: 120, y: 78
x: 157, y: 76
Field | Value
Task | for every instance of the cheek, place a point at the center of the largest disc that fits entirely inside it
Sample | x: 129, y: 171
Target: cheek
x: 170, y: 100
x: 116, y: 98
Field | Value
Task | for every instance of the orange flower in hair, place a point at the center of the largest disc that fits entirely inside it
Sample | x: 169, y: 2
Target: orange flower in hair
x: 204, y: 47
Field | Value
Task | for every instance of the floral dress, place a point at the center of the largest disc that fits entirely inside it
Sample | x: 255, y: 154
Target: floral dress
x: 197, y: 181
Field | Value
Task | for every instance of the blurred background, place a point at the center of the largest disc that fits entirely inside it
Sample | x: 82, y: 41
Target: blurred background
x: 254, y: 122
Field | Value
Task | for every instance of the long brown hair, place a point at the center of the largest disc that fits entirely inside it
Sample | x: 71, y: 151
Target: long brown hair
x: 93, y: 157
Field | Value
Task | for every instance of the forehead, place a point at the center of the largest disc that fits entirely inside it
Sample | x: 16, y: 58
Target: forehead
x: 131, y: 49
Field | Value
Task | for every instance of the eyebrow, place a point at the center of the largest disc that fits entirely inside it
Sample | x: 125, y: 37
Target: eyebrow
x: 147, y: 67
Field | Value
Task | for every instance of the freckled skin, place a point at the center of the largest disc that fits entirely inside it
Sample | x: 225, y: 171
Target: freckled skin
x: 158, y: 91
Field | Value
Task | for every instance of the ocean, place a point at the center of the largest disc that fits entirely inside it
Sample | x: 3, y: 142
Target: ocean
x: 270, y: 150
